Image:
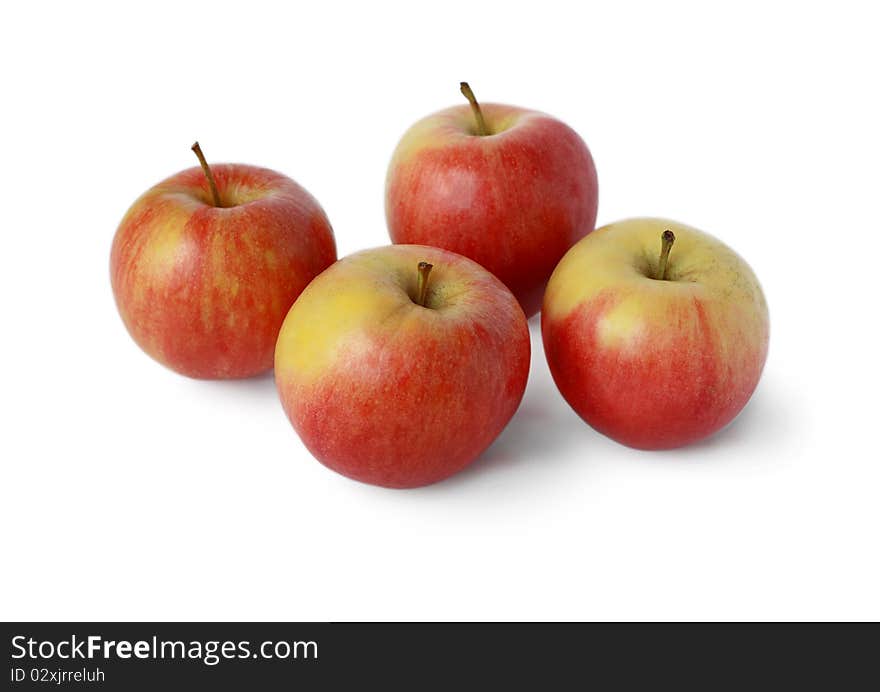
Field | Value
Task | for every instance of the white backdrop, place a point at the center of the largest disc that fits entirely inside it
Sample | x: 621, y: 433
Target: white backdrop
x: 129, y: 492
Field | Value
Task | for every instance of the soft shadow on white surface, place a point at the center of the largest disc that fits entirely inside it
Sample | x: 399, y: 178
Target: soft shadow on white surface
x: 541, y: 433
x: 544, y: 434
x: 770, y: 419
x: 258, y: 387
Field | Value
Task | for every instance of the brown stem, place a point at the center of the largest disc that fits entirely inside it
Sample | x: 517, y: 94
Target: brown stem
x: 482, y: 128
x: 668, y: 238
x: 210, y: 176
x: 424, y: 271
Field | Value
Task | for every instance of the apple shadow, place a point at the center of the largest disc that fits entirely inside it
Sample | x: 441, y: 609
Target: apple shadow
x: 770, y: 419
x: 542, y: 433
x: 257, y: 389
x: 545, y: 432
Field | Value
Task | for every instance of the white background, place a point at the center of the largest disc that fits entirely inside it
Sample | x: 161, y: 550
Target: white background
x: 129, y: 492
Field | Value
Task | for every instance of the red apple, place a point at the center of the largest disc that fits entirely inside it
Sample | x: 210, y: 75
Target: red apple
x: 655, y: 333
x: 206, y: 264
x: 512, y: 189
x: 396, y: 378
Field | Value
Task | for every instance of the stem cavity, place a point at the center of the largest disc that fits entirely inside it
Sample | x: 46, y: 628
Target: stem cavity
x: 668, y: 238
x: 424, y: 271
x: 482, y: 128
x: 210, y: 176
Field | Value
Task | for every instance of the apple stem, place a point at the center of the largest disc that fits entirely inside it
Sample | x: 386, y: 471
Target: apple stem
x: 668, y: 238
x: 210, y: 176
x: 482, y: 128
x: 424, y: 271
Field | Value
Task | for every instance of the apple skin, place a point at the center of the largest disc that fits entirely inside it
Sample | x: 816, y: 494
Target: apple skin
x: 654, y: 364
x: 204, y: 289
x: 388, y: 392
x: 514, y: 201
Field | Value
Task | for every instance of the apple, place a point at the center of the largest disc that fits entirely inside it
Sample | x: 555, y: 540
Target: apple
x: 206, y: 264
x: 513, y: 189
x: 399, y: 365
x: 656, y: 333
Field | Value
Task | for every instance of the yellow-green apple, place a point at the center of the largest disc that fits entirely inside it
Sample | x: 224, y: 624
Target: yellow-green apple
x: 399, y: 365
x: 655, y: 333
x: 513, y: 189
x: 206, y: 264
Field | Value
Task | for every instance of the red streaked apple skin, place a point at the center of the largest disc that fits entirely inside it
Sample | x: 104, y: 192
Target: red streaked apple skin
x: 654, y: 364
x: 514, y: 201
x: 388, y: 392
x: 204, y: 289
